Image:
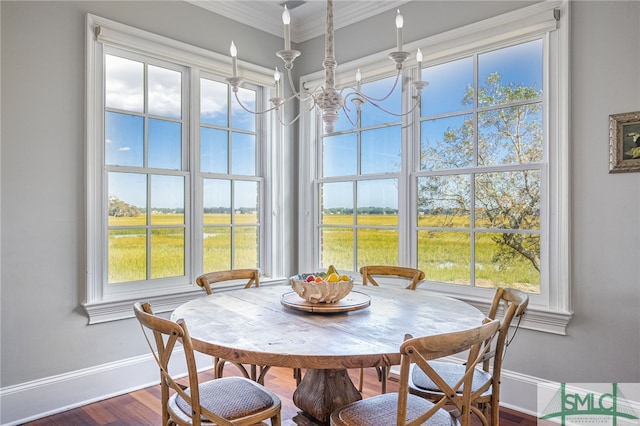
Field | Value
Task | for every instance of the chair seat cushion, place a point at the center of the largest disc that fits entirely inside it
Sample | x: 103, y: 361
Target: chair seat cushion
x: 228, y: 397
x: 450, y: 373
x: 382, y: 410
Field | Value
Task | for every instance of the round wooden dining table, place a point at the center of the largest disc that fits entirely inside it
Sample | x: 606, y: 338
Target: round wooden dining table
x: 271, y: 326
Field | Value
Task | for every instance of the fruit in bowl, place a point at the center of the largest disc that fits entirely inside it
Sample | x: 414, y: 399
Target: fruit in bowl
x: 322, y: 287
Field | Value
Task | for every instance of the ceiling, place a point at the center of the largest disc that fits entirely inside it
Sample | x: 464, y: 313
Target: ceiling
x: 307, y: 16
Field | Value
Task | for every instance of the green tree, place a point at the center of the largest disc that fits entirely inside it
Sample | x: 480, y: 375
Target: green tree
x: 509, y: 131
x: 119, y: 208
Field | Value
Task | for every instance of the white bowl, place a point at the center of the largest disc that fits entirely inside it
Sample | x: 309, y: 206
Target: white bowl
x: 320, y: 292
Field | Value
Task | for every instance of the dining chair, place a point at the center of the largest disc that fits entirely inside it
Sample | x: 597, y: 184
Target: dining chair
x: 369, y: 273
x: 485, y: 394
x: 404, y: 408
x: 252, y: 276
x: 225, y: 401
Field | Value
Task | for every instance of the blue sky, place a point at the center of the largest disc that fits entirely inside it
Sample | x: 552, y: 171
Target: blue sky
x: 379, y: 151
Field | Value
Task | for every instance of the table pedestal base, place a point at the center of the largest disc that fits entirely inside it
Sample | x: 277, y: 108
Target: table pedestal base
x: 321, y: 392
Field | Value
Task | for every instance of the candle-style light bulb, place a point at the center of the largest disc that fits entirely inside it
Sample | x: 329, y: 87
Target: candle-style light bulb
x: 234, y: 54
x: 399, y: 24
x: 286, y: 20
x: 419, y: 59
x: 358, y: 79
x: 276, y: 77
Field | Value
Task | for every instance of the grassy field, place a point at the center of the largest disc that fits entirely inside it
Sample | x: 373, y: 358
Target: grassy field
x: 442, y: 255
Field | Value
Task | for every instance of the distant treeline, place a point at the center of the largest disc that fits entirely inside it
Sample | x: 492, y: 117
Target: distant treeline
x: 362, y: 210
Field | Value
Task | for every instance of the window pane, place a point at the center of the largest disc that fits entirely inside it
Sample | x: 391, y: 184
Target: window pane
x: 243, y: 156
x: 247, y: 199
x: 165, y: 92
x: 165, y: 144
x: 381, y: 150
x: 124, y: 140
x: 340, y: 155
x: 246, y: 247
x: 127, y: 199
x: 124, y: 84
x: 445, y: 256
x: 214, y: 106
x: 337, y: 203
x: 240, y: 118
x: 378, y: 202
x: 214, y: 150
x: 216, y: 248
x: 379, y: 90
x: 167, y: 200
x: 217, y: 201
x: 447, y: 143
x: 519, y: 66
x: 377, y: 247
x: 444, y: 201
x: 508, y: 260
x: 127, y: 254
x: 450, y: 87
x: 167, y: 252
x: 510, y: 135
x: 508, y: 200
x: 336, y: 248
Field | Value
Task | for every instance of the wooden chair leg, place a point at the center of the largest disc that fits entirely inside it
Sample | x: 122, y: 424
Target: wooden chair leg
x: 218, y: 370
x: 361, y: 381
x: 215, y: 367
x: 384, y: 375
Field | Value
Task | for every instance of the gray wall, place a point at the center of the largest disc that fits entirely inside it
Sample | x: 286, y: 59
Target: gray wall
x: 44, y: 330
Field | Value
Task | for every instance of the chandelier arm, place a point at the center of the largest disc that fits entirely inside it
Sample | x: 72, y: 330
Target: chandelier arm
x: 285, y: 123
x: 273, y: 108
x: 372, y: 99
x: 396, y: 114
x: 254, y: 112
x: 350, y: 95
x: 297, y: 94
x: 346, y: 114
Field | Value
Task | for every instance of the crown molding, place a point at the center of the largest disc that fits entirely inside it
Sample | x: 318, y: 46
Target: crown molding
x: 265, y: 16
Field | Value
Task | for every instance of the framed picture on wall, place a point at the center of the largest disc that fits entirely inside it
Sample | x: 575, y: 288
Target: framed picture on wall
x: 624, y: 142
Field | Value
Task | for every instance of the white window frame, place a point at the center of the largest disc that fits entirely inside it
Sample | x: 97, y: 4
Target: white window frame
x: 101, y: 34
x: 550, y: 311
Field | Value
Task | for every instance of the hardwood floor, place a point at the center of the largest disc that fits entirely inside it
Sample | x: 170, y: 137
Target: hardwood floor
x: 142, y: 407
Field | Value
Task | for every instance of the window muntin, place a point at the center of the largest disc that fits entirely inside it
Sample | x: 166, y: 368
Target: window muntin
x: 231, y: 188
x: 149, y: 183
x: 144, y: 142
x: 359, y: 187
x: 550, y: 309
x: 479, y: 177
x: 481, y: 172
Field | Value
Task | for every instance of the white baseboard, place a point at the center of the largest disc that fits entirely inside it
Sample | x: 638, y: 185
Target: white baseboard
x: 40, y: 398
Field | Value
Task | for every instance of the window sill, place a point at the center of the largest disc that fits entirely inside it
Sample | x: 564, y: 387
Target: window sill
x: 114, y: 310
x: 536, y: 318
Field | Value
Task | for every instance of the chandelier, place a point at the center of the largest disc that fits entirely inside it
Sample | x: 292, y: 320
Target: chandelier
x: 327, y: 98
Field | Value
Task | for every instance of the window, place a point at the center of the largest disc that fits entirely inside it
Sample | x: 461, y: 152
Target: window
x: 358, y: 186
x: 470, y: 187
x: 480, y: 180
x: 145, y: 146
x: 176, y: 179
